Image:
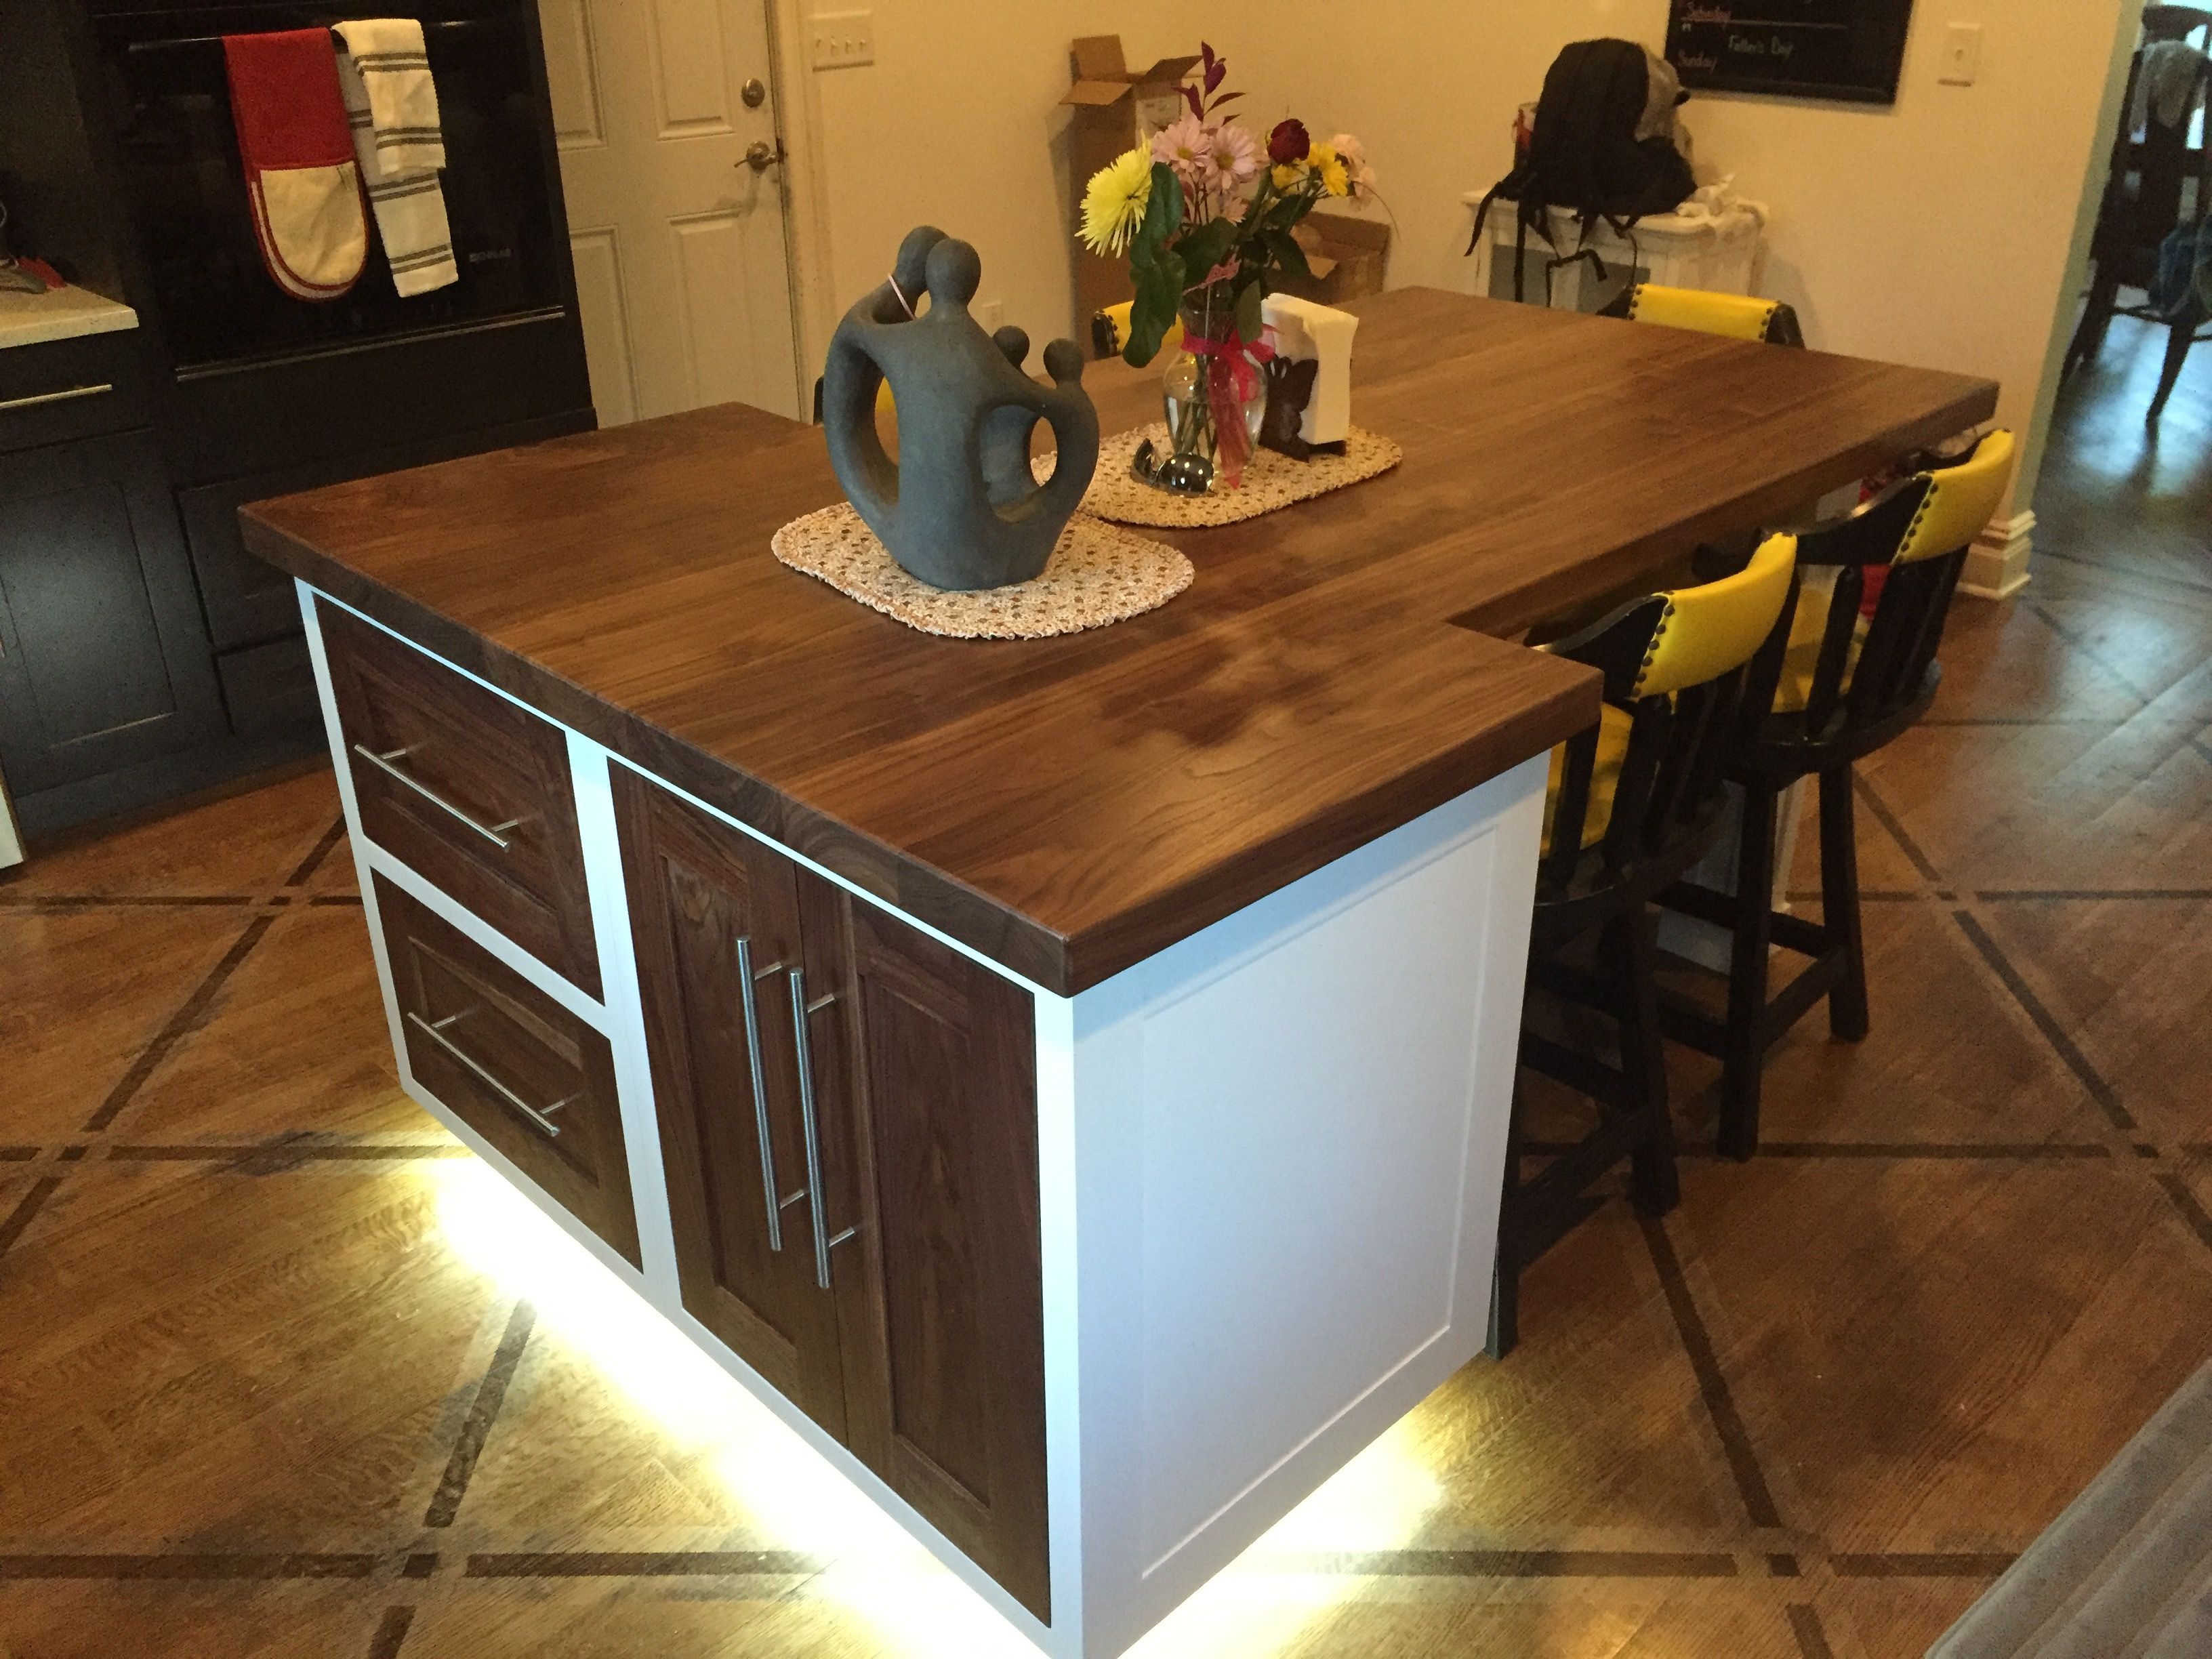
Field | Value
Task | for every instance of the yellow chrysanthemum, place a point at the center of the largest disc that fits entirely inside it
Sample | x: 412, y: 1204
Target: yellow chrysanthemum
x: 1287, y: 175
x: 1114, y: 203
x: 1324, y: 161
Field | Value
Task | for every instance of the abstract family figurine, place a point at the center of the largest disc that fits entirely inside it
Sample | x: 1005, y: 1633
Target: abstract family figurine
x: 960, y: 509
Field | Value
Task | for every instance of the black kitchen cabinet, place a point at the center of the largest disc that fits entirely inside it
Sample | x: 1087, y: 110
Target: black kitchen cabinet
x: 103, y: 662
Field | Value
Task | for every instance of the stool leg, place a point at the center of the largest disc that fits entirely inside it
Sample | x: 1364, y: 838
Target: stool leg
x: 1746, y: 1047
x: 1839, y: 904
x: 1505, y: 1274
x: 1652, y: 1180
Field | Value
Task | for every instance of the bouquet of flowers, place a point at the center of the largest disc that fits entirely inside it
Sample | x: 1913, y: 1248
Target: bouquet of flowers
x: 1205, y: 213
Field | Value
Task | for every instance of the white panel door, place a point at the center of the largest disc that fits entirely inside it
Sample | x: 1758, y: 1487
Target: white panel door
x: 679, y: 240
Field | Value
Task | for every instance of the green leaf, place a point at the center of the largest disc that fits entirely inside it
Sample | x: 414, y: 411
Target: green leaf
x: 1284, y: 249
x: 1248, y: 319
x: 1163, y: 216
x: 1159, y: 296
x: 1207, y: 247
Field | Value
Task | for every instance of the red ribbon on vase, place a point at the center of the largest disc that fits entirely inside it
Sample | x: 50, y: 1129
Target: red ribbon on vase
x: 1232, y: 380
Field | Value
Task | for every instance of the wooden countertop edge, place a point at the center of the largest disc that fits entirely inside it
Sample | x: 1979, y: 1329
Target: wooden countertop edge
x: 1064, y: 964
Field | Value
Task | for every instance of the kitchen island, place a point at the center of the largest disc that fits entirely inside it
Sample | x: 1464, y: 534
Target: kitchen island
x: 1067, y: 1079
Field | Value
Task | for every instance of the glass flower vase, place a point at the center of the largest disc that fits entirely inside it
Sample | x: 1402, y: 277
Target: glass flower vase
x: 1214, y: 392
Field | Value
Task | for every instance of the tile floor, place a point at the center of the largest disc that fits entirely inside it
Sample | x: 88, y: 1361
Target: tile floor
x: 283, y: 1372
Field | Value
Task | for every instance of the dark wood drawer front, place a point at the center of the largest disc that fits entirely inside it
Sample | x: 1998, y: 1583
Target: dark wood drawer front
x: 530, y: 1077
x: 466, y: 788
x: 67, y: 389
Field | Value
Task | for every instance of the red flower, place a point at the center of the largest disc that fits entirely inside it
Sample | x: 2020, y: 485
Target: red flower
x: 1288, y: 143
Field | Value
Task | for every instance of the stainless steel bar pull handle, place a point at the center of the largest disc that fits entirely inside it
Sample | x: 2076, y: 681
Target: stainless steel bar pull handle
x: 748, y: 977
x: 541, y: 1117
x: 494, y: 832
x: 67, y: 394
x: 811, y: 1121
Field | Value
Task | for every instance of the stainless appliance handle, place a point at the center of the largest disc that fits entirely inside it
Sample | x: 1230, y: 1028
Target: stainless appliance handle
x: 540, y: 1117
x: 496, y: 833
x: 748, y: 977
x: 68, y: 394
x: 810, y: 1120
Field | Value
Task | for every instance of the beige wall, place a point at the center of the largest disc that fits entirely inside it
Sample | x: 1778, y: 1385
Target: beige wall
x: 1937, y: 232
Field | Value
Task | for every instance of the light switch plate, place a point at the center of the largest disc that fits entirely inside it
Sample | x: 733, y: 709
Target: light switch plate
x: 842, y: 39
x: 1962, y: 55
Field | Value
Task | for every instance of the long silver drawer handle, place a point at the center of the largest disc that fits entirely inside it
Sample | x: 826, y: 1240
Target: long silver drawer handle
x: 68, y: 394
x: 748, y: 977
x: 496, y: 834
x: 542, y: 1117
x: 800, y: 1010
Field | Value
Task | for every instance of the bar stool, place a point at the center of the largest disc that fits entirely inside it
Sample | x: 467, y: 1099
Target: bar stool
x: 1110, y: 331
x: 1858, y: 667
x: 1633, y: 802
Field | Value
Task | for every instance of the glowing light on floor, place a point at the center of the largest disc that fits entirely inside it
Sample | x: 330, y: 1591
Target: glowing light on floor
x: 800, y: 1502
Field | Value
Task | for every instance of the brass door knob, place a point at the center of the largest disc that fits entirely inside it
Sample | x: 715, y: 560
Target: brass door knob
x: 761, y: 155
x: 753, y: 92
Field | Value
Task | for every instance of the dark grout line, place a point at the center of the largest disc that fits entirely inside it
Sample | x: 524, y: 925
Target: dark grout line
x: 2185, y: 1201
x: 1805, y: 1625
x: 2096, y: 895
x: 2107, y: 1099
x: 391, y: 1632
x: 180, y: 1024
x: 276, y: 1157
x: 642, y: 1564
x: 476, y: 1429
x: 1736, y: 1442
x: 314, y: 861
x: 1503, y: 1564
x: 2096, y: 658
x: 17, y: 1154
x: 353, y: 899
x: 1887, y: 819
x: 1781, y: 1564
x: 1905, y: 1564
x: 297, y: 1565
x: 26, y: 1208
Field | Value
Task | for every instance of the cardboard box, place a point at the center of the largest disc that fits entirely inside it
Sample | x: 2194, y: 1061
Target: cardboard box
x: 1348, y: 256
x: 1114, y: 108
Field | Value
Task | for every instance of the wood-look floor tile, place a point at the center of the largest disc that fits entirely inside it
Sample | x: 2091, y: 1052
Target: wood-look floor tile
x: 2054, y: 807
x: 239, y: 844
x: 1936, y: 1357
x: 622, y: 1620
x: 182, y: 1619
x: 1951, y: 1058
x: 219, y: 1362
x: 2162, y: 653
x: 2129, y: 984
x: 2002, y: 661
x: 1576, y: 1439
x: 87, y: 991
x: 1885, y: 866
x: 1882, y: 1617
x: 293, y: 1044
x: 1547, y: 1620
x: 337, y: 875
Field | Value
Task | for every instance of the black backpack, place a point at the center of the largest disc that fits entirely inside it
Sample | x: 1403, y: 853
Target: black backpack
x: 1585, y: 155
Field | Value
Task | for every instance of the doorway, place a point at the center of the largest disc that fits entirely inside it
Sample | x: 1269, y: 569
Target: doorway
x: 672, y: 161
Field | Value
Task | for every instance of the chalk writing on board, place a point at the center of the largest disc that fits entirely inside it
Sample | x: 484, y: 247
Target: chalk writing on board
x: 1844, y: 49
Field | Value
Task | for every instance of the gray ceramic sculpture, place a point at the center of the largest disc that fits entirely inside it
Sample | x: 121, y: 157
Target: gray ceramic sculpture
x: 960, y: 508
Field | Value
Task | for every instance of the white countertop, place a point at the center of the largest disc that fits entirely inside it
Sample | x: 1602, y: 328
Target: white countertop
x: 60, y: 313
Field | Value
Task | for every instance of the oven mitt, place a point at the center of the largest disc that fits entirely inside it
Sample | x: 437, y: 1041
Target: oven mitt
x: 301, y: 175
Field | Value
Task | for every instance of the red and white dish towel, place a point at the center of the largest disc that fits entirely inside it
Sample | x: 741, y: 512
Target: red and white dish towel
x: 392, y: 108
x: 300, y: 173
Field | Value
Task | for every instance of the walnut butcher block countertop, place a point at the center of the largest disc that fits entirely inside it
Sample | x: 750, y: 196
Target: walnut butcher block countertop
x: 1070, y: 806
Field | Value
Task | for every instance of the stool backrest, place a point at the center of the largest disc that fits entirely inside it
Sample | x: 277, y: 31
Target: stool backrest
x: 1691, y: 669
x: 1920, y: 530
x: 1736, y: 316
x: 1110, y: 331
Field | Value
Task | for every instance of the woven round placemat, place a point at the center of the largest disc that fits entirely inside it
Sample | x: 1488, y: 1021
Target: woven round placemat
x: 1271, y: 480
x: 1098, y: 573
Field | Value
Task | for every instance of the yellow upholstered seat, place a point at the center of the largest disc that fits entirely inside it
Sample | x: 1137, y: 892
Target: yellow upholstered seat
x: 1702, y: 634
x: 1113, y: 324
x: 1736, y: 316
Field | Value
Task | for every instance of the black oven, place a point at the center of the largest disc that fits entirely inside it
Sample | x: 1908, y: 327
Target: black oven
x: 161, y: 69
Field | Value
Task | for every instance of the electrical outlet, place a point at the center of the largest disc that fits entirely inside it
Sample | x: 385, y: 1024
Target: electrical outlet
x: 842, y: 39
x: 1962, y: 55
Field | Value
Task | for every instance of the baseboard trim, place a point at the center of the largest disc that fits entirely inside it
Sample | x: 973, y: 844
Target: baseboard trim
x: 1996, y: 564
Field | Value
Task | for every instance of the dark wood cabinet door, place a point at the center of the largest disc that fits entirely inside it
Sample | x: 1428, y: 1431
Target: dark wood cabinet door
x: 944, y: 1352
x: 103, y: 659
x: 697, y: 889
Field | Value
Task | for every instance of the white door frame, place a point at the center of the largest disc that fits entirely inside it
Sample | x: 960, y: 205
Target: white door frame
x: 12, y: 843
x: 806, y: 191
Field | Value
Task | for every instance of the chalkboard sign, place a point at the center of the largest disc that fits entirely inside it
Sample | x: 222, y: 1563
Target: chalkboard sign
x: 1850, y: 49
